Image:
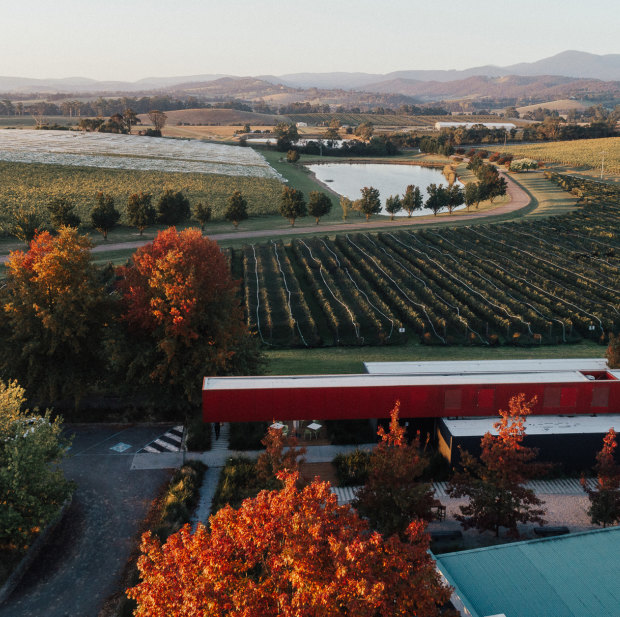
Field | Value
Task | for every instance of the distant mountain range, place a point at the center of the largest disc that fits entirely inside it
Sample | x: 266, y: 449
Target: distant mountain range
x: 556, y: 75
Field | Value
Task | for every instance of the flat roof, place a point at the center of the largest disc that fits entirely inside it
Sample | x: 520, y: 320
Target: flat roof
x: 537, y: 425
x: 366, y: 380
x: 485, y: 366
x: 575, y: 575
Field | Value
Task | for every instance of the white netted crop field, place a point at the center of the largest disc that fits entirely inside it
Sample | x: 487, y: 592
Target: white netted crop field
x: 131, y: 152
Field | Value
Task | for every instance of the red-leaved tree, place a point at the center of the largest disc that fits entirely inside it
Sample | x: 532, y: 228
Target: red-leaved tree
x: 181, y: 305
x: 495, y: 484
x: 393, y: 495
x: 288, y: 552
x: 605, y: 498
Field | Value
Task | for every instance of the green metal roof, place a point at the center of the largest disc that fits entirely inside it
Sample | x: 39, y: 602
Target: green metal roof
x: 576, y: 575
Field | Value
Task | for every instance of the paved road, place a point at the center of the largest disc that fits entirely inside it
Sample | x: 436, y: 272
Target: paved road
x: 74, y: 575
x: 518, y: 199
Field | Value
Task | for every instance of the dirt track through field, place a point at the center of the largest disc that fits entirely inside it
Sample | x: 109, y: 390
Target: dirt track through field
x: 518, y: 199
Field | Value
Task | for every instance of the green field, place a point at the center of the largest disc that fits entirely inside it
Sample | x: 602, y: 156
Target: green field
x: 338, y: 360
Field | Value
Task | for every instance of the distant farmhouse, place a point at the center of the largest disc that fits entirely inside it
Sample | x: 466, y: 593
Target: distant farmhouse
x: 507, y: 126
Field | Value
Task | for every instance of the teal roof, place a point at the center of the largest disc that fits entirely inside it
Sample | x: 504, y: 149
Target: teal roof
x: 576, y: 575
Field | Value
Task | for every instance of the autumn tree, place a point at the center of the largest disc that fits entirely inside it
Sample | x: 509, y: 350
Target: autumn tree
x: 292, y: 156
x: 202, y: 214
x: 347, y: 205
x: 605, y: 498
x: 172, y: 207
x: 288, y: 552
x: 613, y: 351
x: 183, y: 316
x: 236, y: 209
x: 495, y: 484
x: 57, y: 310
x: 393, y: 495
x: 130, y: 118
x: 32, y: 487
x: 104, y: 216
x: 393, y: 205
x: 276, y: 459
x: 412, y: 200
x: 370, y: 202
x: 62, y: 213
x: 319, y: 205
x: 140, y: 211
x: 292, y: 204
x: 364, y: 130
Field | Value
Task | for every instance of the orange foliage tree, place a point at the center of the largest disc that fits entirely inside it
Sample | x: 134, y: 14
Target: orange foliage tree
x: 495, y: 483
x: 56, y: 311
x: 288, y: 552
x: 605, y: 498
x: 182, y: 309
x: 275, y: 459
x: 393, y: 495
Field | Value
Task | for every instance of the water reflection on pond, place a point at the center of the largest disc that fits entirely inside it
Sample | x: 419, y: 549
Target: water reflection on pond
x: 348, y: 178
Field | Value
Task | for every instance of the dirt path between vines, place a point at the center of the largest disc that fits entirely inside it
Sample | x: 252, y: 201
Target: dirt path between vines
x: 518, y: 199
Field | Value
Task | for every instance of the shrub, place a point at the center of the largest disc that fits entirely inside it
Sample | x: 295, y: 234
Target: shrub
x: 198, y: 435
x: 352, y: 468
x: 247, y: 435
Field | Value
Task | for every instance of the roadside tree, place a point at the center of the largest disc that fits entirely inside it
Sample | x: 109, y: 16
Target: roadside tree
x: 438, y: 198
x: 605, y: 498
x: 183, y: 316
x: 289, y: 552
x: 32, y: 486
x: 292, y: 204
x: 495, y: 484
x: 319, y: 205
x: 202, y: 214
x: 370, y: 202
x: 62, y: 214
x: 412, y: 200
x: 347, y: 205
x: 456, y: 197
x: 393, y: 495
x: 236, y: 209
x: 172, y: 208
x: 104, y: 216
x: 56, y: 311
x: 393, y: 205
x: 140, y: 212
x: 471, y: 194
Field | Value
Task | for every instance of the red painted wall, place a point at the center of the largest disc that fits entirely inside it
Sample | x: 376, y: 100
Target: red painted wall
x: 330, y: 403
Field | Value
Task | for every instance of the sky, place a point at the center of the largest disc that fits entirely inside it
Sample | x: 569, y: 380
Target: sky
x: 132, y: 39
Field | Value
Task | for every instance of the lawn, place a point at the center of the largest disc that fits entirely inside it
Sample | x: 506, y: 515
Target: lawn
x: 338, y: 360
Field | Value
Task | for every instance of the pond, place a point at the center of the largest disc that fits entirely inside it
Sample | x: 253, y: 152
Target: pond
x: 348, y: 178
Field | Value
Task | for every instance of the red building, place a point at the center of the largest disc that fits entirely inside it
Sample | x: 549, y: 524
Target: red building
x: 425, y: 390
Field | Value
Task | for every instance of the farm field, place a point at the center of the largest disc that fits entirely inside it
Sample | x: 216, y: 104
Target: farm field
x: 552, y: 281
x: 579, y: 153
x: 378, y: 120
x: 131, y: 152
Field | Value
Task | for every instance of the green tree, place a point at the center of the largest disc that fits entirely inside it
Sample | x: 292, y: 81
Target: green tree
x: 57, y: 310
x: 412, y: 200
x: 471, y: 194
x: 32, y: 486
x: 202, y: 214
x: 438, y: 198
x: 286, y: 135
x: 183, y: 317
x: 104, y: 216
x: 393, y: 495
x: 370, y: 202
x: 495, y: 484
x: 497, y: 188
x: 140, y: 212
x: 605, y: 498
x: 292, y: 156
x: 292, y: 204
x: 393, y: 205
x: 62, y: 214
x: 237, y: 209
x: 172, y: 208
x: 456, y: 197
x: 319, y: 205
x: 347, y: 205
x: 25, y: 224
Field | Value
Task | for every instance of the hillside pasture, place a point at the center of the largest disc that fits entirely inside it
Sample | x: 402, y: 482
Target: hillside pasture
x: 217, y: 117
